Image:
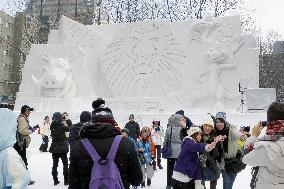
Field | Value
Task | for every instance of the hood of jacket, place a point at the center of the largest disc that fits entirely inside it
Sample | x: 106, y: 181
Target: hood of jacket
x: 98, y: 131
x: 175, y: 120
x: 8, y: 127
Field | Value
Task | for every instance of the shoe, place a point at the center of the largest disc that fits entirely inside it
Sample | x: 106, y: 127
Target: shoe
x: 56, y: 182
x: 31, y: 182
x: 160, y: 166
x: 148, y: 182
x: 143, y: 184
x: 154, y: 168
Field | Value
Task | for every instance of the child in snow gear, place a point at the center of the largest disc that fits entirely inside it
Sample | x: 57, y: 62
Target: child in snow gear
x: 45, y: 133
x: 145, y: 147
x: 156, y: 135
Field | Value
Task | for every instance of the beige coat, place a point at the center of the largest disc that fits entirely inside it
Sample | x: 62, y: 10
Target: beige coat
x: 23, y: 128
x: 233, y: 146
x: 45, y: 129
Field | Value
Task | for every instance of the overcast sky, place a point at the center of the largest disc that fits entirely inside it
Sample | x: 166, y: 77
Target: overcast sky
x: 270, y: 13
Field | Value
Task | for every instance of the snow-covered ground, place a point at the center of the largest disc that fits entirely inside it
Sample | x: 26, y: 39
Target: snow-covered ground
x: 40, y: 169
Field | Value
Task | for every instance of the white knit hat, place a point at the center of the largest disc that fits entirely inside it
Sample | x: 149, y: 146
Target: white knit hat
x: 208, y: 121
x: 192, y: 130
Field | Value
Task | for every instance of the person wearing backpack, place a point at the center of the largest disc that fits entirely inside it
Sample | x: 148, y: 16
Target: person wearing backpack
x: 102, y: 143
x: 145, y: 155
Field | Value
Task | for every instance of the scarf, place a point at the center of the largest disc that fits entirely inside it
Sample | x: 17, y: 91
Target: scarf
x: 274, y: 131
x: 223, y: 145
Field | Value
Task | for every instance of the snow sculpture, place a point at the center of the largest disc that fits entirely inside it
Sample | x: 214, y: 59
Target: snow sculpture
x: 223, y: 45
x: 147, y: 67
x: 57, y: 80
x: 142, y: 61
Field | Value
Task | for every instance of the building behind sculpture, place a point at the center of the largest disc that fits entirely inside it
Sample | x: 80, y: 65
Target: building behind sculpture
x: 278, y: 47
x: 50, y: 11
x: 271, y: 70
x: 6, y: 52
x: 16, y: 35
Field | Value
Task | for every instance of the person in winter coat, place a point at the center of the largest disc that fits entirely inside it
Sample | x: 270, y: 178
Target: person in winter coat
x: 156, y: 134
x: 172, y: 135
x: 125, y: 133
x: 245, y: 131
x: 228, y: 150
x: 101, y: 133
x: 266, y: 154
x: 14, y: 174
x: 59, y: 147
x: 66, y: 122
x: 209, y: 168
x: 24, y: 130
x: 184, y: 129
x: 133, y: 128
x: 187, y: 171
x: 45, y: 133
x: 75, y: 129
x: 145, y: 154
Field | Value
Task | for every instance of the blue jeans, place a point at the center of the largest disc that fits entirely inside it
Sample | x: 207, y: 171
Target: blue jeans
x: 228, y: 179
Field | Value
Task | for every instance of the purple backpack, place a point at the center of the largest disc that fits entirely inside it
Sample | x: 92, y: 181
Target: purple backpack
x: 105, y: 174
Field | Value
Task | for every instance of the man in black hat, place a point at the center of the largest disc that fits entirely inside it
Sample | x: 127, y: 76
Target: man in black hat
x: 23, y: 134
x: 133, y: 128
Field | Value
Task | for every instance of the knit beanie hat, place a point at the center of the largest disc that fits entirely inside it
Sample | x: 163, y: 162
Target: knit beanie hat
x: 192, y: 130
x: 102, y: 114
x: 85, y: 116
x: 208, y: 121
x: 57, y: 117
x: 124, y: 130
x: 221, y: 115
x: 98, y: 102
x: 175, y: 120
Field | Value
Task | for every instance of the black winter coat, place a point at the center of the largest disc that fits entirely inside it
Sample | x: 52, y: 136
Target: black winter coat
x: 134, y: 129
x: 59, y: 142
x: 75, y: 133
x: 102, y: 136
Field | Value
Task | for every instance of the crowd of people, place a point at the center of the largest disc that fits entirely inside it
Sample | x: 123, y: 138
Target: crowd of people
x: 103, y: 155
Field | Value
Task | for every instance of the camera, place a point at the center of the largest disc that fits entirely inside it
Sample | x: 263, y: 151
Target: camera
x: 263, y: 123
